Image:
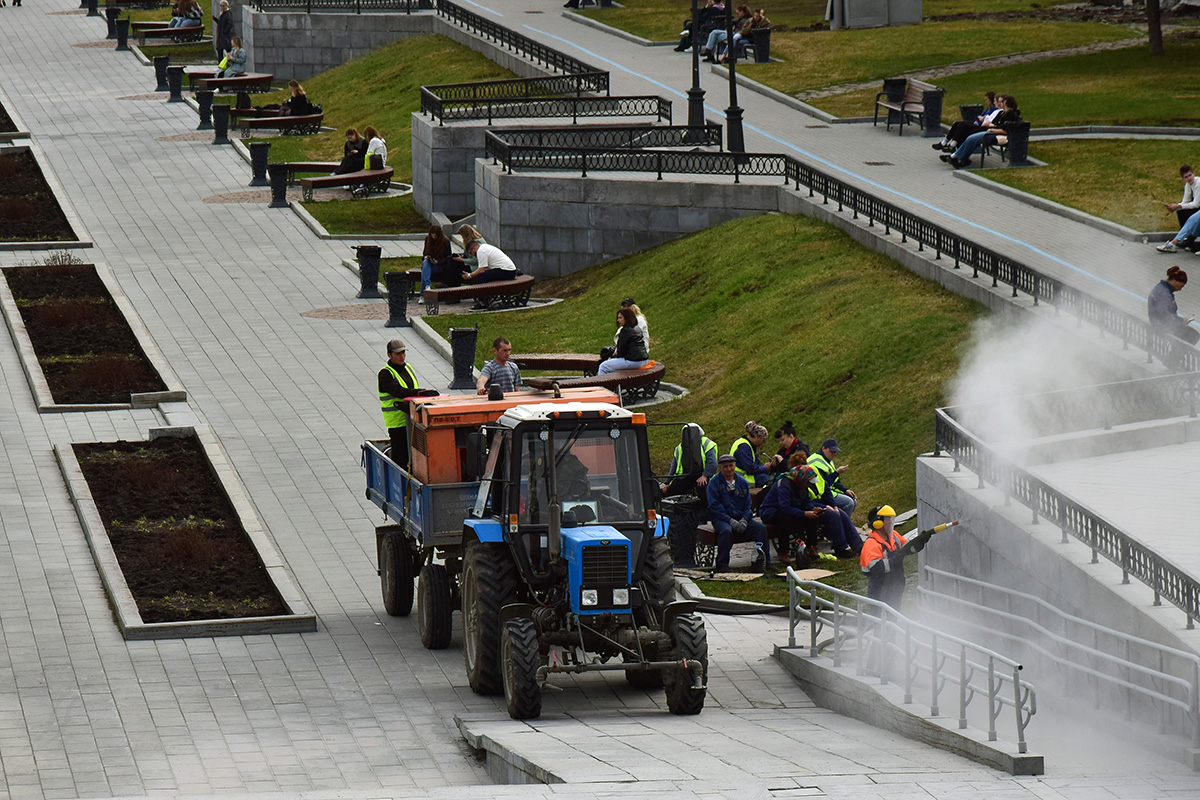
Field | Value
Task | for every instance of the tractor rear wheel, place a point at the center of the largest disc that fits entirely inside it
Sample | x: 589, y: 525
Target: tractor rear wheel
x: 519, y: 655
x: 658, y: 578
x: 433, y: 607
x: 691, y: 643
x: 489, y: 582
x: 396, y: 575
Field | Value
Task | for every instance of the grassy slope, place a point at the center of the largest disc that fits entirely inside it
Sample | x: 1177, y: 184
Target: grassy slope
x: 381, y: 89
x: 773, y: 318
x: 821, y: 58
x: 1079, y: 172
x: 1121, y: 87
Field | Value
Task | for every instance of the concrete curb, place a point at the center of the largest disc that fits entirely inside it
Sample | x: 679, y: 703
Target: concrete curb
x: 611, y: 31
x: 125, y: 611
x: 1058, y: 209
x: 37, y: 379
x: 60, y: 195
x: 838, y: 689
x: 22, y: 131
x: 690, y: 591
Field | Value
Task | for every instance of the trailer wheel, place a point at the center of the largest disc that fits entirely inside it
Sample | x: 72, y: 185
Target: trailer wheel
x: 691, y: 643
x: 489, y: 582
x: 433, y: 607
x: 519, y: 655
x: 396, y: 576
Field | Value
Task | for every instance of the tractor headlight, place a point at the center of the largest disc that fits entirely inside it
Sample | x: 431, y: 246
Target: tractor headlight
x: 589, y: 597
x: 620, y: 597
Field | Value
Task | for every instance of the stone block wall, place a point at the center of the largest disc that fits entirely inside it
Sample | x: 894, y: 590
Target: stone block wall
x: 297, y: 46
x: 559, y: 224
x: 443, y: 159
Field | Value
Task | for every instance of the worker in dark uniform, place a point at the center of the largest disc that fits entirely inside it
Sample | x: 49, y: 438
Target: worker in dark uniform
x: 397, y: 383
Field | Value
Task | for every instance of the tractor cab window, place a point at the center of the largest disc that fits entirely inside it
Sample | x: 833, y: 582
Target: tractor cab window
x: 596, y: 470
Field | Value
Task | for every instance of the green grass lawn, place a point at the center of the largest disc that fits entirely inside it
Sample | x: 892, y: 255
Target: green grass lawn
x: 384, y: 215
x: 190, y: 53
x: 1146, y: 170
x: 1117, y: 87
x: 380, y: 89
x: 821, y: 58
x: 772, y: 318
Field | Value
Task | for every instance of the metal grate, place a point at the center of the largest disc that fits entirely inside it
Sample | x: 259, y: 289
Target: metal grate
x: 813, y: 127
x: 606, y: 564
x: 419, y: 442
x: 879, y: 163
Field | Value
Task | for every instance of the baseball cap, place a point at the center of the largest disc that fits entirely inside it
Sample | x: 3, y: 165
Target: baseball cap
x: 832, y: 445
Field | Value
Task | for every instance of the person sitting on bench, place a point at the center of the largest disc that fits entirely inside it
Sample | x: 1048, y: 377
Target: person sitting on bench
x: 631, y: 352
x: 353, y: 153
x: 297, y: 105
x: 235, y: 60
x: 732, y: 519
x: 377, y: 154
x: 494, y: 265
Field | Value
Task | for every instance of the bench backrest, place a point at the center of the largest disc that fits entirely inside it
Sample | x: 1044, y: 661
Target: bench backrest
x: 915, y: 91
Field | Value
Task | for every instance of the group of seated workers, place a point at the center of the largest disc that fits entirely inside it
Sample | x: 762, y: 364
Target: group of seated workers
x: 801, y: 496
x: 965, y: 137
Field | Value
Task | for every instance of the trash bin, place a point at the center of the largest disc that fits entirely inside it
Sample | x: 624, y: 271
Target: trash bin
x: 762, y: 45
x: 970, y: 111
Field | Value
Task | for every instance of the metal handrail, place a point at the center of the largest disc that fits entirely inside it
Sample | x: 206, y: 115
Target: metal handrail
x: 615, y: 136
x: 897, y: 649
x: 1070, y: 653
x: 357, y: 6
x: 547, y: 107
x: 1075, y: 519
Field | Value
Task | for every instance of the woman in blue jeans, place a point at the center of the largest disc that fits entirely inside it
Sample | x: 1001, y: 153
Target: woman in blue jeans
x: 435, y: 257
x: 631, y: 352
x: 995, y: 129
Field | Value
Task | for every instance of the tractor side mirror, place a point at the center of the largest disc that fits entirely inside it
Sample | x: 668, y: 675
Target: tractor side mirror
x: 476, y: 456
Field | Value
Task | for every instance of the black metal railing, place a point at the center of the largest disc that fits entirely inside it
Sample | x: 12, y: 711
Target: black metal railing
x: 1176, y: 393
x: 518, y: 43
x: 623, y: 136
x: 356, y: 6
x: 441, y: 101
x: 560, y: 108
x: 613, y: 159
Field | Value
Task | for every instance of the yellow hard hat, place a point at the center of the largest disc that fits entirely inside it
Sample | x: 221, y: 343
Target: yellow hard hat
x: 875, y: 516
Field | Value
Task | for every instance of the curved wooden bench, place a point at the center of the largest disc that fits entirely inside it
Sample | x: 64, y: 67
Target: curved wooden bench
x: 361, y: 183
x: 633, y: 384
x: 296, y: 167
x: 494, y: 295
x: 298, y: 125
x: 586, y: 363
x: 189, y: 33
x: 139, y: 25
x: 256, y: 82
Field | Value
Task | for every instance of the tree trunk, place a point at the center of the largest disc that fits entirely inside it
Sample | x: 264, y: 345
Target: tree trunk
x: 1154, y: 21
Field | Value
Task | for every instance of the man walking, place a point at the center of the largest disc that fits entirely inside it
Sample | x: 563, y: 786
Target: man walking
x: 397, y: 383
x: 499, y: 371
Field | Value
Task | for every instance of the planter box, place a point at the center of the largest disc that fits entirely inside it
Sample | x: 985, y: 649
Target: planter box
x: 54, y: 188
x: 37, y: 380
x: 298, y: 618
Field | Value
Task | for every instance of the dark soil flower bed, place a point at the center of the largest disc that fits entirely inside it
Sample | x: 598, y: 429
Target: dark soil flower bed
x: 181, y: 548
x: 29, y: 211
x: 82, y: 341
x: 6, y: 122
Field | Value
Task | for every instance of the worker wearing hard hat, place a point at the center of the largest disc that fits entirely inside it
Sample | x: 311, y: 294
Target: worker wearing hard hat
x: 882, y: 558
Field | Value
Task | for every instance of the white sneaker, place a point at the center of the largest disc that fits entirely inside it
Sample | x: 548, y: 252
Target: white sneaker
x: 421, y: 300
x: 1169, y: 247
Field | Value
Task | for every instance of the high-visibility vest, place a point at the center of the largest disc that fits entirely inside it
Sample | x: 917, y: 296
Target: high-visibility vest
x: 826, y: 470
x: 816, y: 489
x: 395, y: 408
x: 707, y: 445
x: 733, y: 452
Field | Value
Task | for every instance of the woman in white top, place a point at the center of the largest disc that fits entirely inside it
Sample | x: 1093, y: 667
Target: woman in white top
x: 641, y: 322
x: 376, y: 146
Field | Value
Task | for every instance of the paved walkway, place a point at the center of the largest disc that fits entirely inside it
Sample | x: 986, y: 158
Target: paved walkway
x: 358, y: 709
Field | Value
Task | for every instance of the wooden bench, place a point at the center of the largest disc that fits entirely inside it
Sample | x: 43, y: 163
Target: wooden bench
x: 195, y: 75
x: 256, y: 82
x: 301, y: 125
x: 586, y: 363
x: 906, y: 105
x: 191, y: 33
x: 1015, y: 139
x: 295, y: 168
x: 139, y: 25
x: 493, y: 295
x: 361, y: 183
x: 634, y: 384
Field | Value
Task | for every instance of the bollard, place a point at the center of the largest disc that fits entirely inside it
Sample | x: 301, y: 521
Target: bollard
x: 110, y: 17
x: 175, y: 84
x: 397, y: 285
x: 462, y: 345
x: 220, y: 114
x: 83, y: 3
x: 93, y: 8
x: 122, y: 34
x: 368, y: 270
x: 205, y: 108
x: 160, y: 75
x: 258, y: 163
x: 278, y: 174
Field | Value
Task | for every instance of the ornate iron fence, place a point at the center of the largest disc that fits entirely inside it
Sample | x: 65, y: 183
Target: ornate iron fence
x: 448, y: 100
x: 356, y: 6
x: 559, y: 107
x: 1135, y: 559
x: 617, y: 136
x: 518, y: 43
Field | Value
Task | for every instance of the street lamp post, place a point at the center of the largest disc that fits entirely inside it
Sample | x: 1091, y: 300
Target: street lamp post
x: 695, y: 94
x: 735, y: 141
